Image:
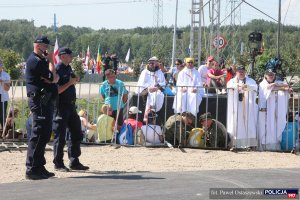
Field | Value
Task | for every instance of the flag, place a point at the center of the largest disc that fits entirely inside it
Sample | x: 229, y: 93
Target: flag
x: 127, y: 55
x: 87, y: 58
x: 98, y: 66
x: 55, y: 53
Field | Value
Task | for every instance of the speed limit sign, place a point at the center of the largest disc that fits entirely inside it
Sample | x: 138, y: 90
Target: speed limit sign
x: 219, y: 42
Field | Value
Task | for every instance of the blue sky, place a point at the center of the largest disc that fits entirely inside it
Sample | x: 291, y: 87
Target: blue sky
x: 114, y: 14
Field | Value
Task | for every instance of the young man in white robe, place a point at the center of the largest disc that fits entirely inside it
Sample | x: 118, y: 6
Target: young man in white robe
x: 242, y: 110
x: 189, y: 90
x: 151, y: 83
x: 273, y: 108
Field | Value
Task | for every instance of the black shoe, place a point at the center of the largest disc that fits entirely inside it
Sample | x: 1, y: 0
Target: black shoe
x: 47, y: 173
x: 35, y: 176
x: 62, y: 168
x: 79, y: 167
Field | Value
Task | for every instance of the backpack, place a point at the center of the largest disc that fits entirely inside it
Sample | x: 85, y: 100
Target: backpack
x: 125, y: 136
x: 289, y: 136
x: 196, y: 138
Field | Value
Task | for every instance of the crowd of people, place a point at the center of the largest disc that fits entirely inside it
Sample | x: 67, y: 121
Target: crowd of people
x: 52, y: 95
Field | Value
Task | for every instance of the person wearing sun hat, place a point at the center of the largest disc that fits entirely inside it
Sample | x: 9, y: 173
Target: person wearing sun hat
x: 189, y: 89
x: 150, y: 86
x: 242, y: 110
x: 273, y: 101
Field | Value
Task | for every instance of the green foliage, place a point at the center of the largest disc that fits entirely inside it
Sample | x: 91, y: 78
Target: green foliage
x: 10, y: 60
x: 77, y: 67
x: 136, y: 67
x: 18, y: 36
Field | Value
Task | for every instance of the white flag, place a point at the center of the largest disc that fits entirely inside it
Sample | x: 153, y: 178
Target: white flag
x: 127, y: 55
x: 55, y: 53
x: 87, y: 57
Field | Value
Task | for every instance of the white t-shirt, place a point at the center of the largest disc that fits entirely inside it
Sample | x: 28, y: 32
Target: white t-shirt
x: 203, y: 69
x: 6, y: 79
x: 152, y: 133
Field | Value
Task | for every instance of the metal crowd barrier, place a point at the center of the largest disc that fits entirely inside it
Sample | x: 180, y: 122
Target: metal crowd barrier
x: 88, y: 98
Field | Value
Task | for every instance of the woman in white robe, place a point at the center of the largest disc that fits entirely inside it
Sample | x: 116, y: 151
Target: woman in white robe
x: 189, y: 90
x: 242, y: 110
x: 273, y: 107
x: 152, y: 79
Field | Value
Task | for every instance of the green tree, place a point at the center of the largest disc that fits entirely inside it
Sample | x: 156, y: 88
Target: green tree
x: 10, y: 60
x: 77, y: 67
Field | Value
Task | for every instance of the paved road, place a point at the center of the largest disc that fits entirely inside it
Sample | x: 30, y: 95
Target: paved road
x: 82, y: 90
x: 149, y: 186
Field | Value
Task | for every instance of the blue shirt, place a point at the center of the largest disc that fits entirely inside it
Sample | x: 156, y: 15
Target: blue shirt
x: 113, y: 93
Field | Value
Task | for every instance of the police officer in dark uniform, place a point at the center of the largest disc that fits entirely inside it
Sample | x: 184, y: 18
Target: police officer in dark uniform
x: 65, y: 116
x: 41, y: 91
x: 106, y: 64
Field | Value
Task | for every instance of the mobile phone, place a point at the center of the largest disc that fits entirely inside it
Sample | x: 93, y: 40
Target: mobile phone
x: 45, y: 53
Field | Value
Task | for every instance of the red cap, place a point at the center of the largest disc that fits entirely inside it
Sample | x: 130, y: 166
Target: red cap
x: 210, y: 58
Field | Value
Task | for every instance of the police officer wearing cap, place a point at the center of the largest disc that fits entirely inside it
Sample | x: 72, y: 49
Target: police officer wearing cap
x: 41, y: 91
x: 65, y: 116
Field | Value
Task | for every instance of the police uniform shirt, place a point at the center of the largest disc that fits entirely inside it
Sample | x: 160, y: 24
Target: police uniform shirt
x: 36, y: 68
x: 64, y: 72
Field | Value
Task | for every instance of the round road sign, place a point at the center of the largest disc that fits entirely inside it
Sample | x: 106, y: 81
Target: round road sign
x: 219, y: 42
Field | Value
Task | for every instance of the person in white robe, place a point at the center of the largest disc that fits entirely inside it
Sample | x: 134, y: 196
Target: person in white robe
x: 273, y: 107
x: 151, y: 82
x: 189, y: 90
x: 242, y: 110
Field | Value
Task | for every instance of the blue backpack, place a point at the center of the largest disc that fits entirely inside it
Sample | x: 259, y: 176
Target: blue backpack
x: 289, y: 137
x: 125, y: 136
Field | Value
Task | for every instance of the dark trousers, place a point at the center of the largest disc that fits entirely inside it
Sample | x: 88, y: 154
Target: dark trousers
x: 40, y: 135
x: 120, y: 118
x: 69, y: 119
x: 3, y: 109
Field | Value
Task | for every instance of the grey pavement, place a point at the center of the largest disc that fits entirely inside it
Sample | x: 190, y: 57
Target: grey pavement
x: 150, y: 186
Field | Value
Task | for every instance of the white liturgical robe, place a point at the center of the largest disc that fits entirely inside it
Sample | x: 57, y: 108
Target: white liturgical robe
x: 148, y: 79
x: 272, y: 122
x: 186, y: 100
x: 242, y: 113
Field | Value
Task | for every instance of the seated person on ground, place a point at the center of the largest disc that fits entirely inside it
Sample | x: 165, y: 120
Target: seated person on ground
x: 88, y: 130
x: 177, y: 128
x: 133, y: 119
x: 151, y: 133
x: 10, y: 131
x: 105, y: 125
x: 215, y: 132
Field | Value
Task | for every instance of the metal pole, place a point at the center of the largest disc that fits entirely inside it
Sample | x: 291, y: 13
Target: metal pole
x: 278, y: 30
x: 192, y: 31
x: 200, y: 34
x: 174, y: 35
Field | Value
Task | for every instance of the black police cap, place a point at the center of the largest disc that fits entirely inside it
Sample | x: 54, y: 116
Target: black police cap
x: 42, y: 39
x: 64, y: 50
